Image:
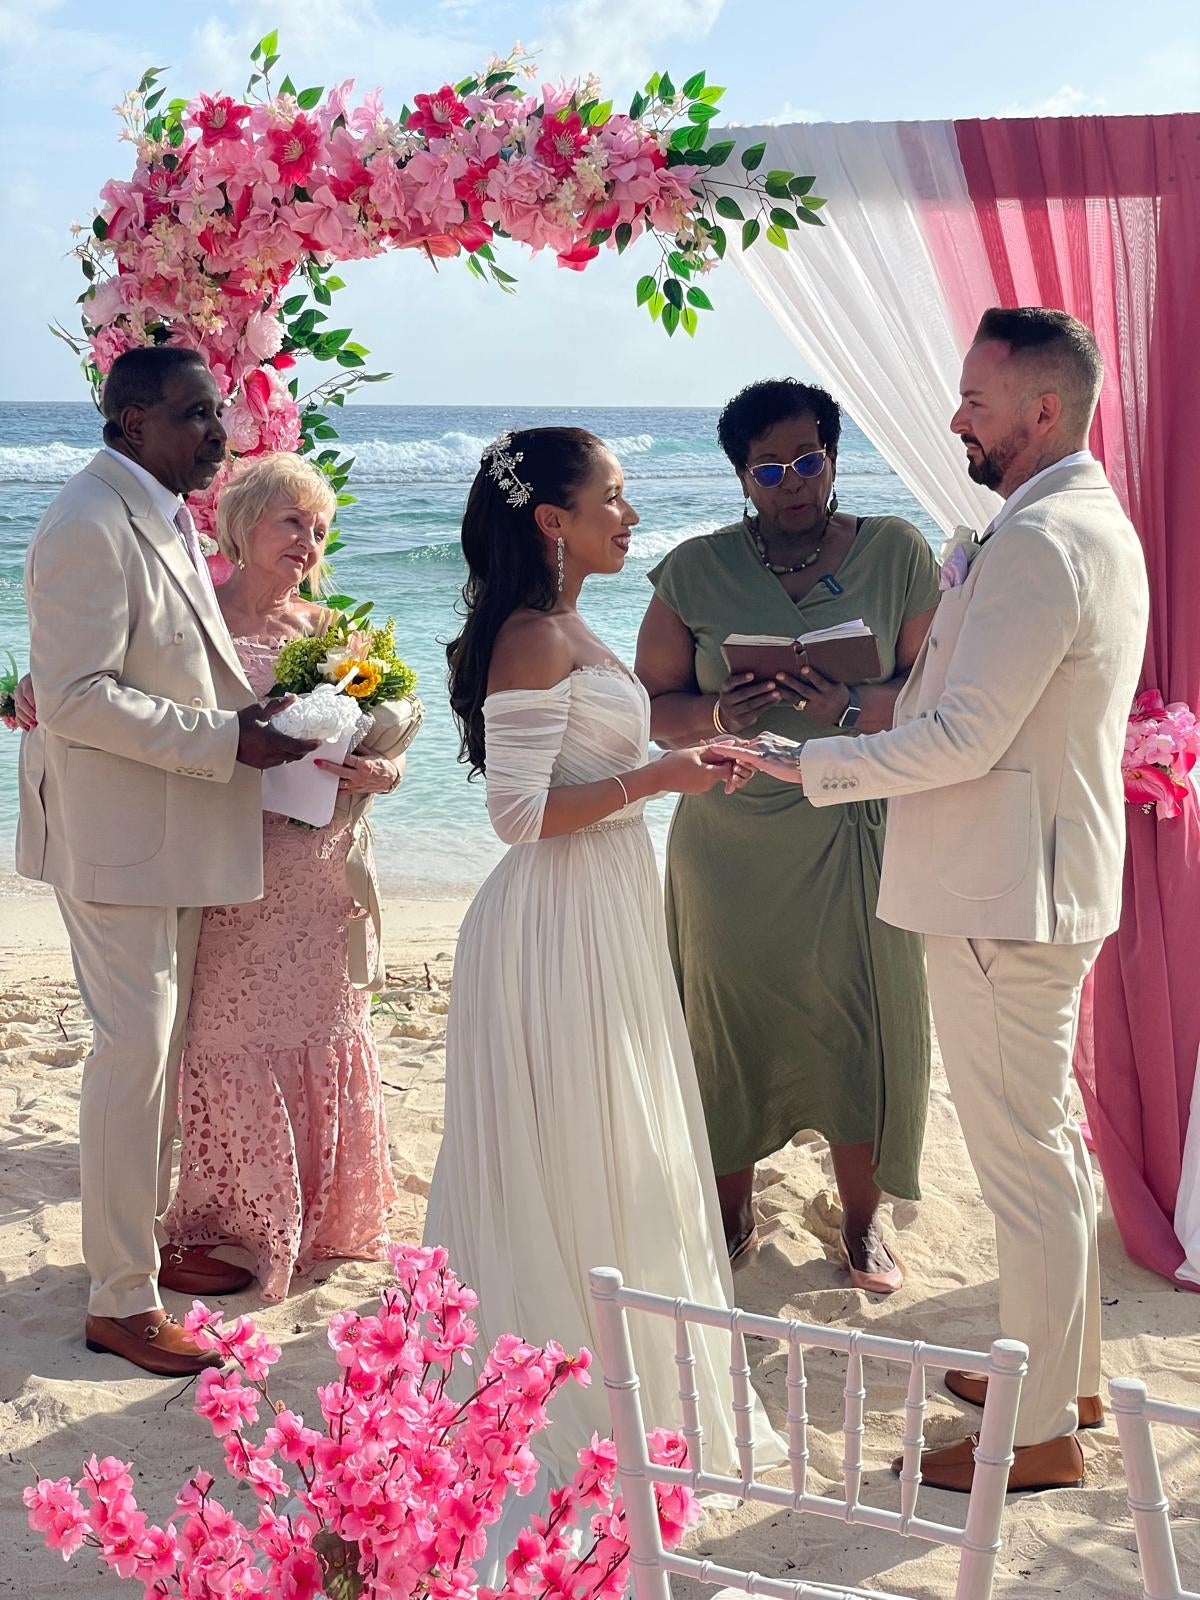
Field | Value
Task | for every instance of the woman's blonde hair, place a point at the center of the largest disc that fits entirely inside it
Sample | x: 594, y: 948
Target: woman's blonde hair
x: 249, y: 495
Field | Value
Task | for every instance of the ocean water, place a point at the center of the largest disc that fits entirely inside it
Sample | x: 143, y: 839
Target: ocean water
x: 413, y: 467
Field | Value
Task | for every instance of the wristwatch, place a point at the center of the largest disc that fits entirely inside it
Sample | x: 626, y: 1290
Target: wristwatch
x: 853, y: 711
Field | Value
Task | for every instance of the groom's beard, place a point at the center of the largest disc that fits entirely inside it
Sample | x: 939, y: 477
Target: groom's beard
x: 990, y: 467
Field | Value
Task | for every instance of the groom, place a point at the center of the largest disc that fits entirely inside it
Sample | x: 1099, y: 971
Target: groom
x: 1005, y: 841
x: 140, y: 803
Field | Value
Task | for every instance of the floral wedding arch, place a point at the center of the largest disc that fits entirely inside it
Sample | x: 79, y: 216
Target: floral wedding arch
x: 226, y: 237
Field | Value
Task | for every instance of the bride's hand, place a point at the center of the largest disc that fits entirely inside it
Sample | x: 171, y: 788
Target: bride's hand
x: 693, y: 771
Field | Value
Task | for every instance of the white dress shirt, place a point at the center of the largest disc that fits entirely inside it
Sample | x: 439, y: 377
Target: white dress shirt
x: 162, y: 497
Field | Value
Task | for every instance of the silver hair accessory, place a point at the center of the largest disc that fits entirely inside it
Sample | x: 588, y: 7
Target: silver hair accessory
x: 501, y: 462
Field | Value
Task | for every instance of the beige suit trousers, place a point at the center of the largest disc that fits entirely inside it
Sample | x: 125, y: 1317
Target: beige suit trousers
x: 1006, y: 1014
x: 134, y: 966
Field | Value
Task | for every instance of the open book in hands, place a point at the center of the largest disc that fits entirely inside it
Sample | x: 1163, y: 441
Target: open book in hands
x: 848, y: 653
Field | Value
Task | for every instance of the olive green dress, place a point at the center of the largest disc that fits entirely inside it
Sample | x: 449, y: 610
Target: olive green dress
x: 804, y: 1010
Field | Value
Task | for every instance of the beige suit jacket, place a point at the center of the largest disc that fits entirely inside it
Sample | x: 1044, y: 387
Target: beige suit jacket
x: 130, y: 789
x: 1006, y: 816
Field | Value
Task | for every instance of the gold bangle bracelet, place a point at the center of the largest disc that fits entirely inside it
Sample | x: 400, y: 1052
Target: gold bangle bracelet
x: 716, y: 717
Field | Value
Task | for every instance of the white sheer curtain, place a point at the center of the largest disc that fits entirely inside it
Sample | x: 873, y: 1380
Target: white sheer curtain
x: 861, y: 299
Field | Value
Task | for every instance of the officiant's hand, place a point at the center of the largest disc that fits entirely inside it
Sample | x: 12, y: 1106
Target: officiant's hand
x: 365, y: 774
x: 817, y: 697
x: 24, y: 705
x: 744, y: 698
x: 262, y: 746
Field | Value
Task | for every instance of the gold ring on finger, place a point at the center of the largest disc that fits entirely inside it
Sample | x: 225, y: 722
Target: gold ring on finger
x: 801, y: 704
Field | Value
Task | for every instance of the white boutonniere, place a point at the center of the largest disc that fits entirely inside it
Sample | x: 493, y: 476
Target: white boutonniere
x: 208, y: 547
x: 957, y: 555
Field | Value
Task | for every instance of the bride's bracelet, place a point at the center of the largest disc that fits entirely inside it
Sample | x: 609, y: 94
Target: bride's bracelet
x: 620, y: 783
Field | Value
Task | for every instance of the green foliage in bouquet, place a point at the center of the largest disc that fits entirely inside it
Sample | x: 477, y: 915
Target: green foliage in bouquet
x: 366, y: 654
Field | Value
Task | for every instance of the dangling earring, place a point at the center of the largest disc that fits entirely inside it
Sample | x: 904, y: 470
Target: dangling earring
x: 560, y: 566
x: 746, y: 513
x: 831, y: 509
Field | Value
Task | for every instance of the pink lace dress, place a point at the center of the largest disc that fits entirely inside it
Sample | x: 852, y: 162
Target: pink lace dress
x: 284, y: 1143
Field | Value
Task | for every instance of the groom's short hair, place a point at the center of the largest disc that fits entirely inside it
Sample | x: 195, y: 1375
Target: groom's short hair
x: 136, y: 378
x: 1060, y: 351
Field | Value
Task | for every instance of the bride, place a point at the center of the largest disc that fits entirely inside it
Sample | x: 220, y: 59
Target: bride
x: 574, y: 1134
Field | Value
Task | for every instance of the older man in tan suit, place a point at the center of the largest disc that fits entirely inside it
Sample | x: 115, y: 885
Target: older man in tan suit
x: 1005, y: 840
x: 141, y: 804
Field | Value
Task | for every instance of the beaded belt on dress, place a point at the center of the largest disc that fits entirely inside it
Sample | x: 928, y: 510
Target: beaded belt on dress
x: 612, y: 822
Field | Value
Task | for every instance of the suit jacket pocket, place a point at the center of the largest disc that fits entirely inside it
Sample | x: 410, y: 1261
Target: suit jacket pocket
x: 116, y: 809
x: 982, y: 833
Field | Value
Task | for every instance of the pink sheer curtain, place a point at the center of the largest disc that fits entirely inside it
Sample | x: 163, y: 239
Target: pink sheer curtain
x: 1101, y: 216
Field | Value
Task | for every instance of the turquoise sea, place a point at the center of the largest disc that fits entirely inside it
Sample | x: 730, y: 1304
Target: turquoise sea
x: 413, y: 468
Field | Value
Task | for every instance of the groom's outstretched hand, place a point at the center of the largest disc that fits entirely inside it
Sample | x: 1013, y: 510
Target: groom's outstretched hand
x: 260, y: 745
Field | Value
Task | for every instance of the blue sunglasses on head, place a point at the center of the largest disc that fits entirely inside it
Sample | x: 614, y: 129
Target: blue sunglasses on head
x: 770, y: 474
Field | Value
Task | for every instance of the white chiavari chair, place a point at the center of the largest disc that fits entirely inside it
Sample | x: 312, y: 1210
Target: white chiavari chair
x: 1136, y: 1414
x: 978, y: 1540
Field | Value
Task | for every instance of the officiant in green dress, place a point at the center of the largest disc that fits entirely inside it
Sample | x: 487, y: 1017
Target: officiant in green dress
x: 804, y: 1010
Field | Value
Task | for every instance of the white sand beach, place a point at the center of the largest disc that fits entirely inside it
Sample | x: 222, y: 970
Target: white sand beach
x: 58, y: 1403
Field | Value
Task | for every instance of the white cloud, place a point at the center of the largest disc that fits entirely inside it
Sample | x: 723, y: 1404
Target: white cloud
x: 1067, y: 101
x: 622, y: 40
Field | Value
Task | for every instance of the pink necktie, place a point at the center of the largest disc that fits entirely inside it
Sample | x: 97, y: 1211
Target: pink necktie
x: 191, y: 540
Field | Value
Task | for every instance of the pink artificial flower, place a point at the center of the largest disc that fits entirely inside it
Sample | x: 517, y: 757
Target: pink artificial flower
x: 472, y: 187
x: 300, y: 1577
x: 595, y: 1480
x: 107, y: 1481
x: 107, y: 344
x: 11, y: 724
x: 293, y: 148
x: 263, y: 336
x: 158, y: 1555
x: 56, y: 1512
x: 224, y: 1402
x: 323, y: 222
x: 217, y: 118
x: 1152, y: 786
x: 578, y: 256
x: 437, y: 114
x: 561, y: 142
x: 953, y: 572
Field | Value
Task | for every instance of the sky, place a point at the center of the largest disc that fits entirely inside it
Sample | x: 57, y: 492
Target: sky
x: 565, y: 338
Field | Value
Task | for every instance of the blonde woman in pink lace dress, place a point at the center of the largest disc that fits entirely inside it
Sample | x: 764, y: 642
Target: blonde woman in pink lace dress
x: 284, y: 1142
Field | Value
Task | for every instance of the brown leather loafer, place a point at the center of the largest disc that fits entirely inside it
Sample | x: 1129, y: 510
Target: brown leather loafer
x: 1057, y: 1464
x: 973, y: 1390
x: 196, y: 1272
x: 152, y: 1340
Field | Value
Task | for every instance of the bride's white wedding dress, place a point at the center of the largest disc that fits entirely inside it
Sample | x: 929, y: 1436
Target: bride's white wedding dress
x: 574, y: 1134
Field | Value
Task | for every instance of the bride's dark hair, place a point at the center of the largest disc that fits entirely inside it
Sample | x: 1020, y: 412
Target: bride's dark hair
x: 508, y: 560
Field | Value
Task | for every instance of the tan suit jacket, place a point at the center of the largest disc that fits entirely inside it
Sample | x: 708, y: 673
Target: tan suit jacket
x: 1006, y: 816
x: 130, y: 789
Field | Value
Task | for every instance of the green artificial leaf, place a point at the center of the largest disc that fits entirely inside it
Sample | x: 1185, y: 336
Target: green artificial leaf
x: 782, y: 218
x: 718, y: 154
x: 670, y: 319
x: 375, y: 377
x: 89, y: 270
x: 344, y: 500
x: 485, y: 252
x: 623, y: 235
x: 335, y: 283
x: 600, y: 114
x: 325, y: 432
x: 148, y: 78
x: 673, y: 290
x: 697, y: 134
x: 290, y: 307
x: 813, y: 202
x: 321, y: 294
x: 466, y: 86
x: 600, y: 236
x: 701, y: 113
x: 678, y: 265
x: 679, y: 139
x: 693, y: 86
x: 665, y: 87
x: 308, y: 98
x: 175, y: 137
x: 719, y: 241
x: 800, y: 186
x: 637, y: 105
x: 288, y: 87
x: 359, y: 349
x: 752, y: 157
x: 645, y: 289
x: 777, y: 237
x: 339, y: 602
x: 750, y: 232
x: 474, y: 267
x: 347, y: 358
x: 656, y: 305
x: 153, y: 99
x: 688, y: 321
x: 269, y: 63
x: 698, y: 298
x: 653, y: 83
x: 810, y: 216
x: 494, y: 78
x: 269, y: 43
x: 777, y: 186
x: 100, y: 227
x: 337, y: 399
x: 335, y: 338
x: 728, y: 207
x: 367, y: 605
x: 502, y: 278
x: 712, y: 94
